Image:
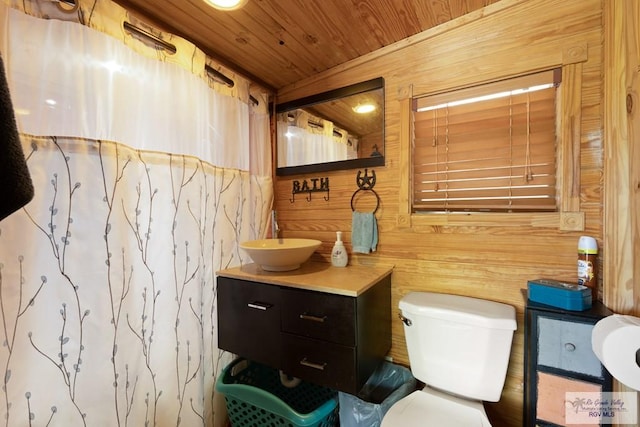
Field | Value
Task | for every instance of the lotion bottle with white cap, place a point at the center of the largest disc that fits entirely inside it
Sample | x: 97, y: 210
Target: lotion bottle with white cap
x: 339, y: 256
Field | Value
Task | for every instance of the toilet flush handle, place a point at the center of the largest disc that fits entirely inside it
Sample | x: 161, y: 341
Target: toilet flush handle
x: 404, y: 319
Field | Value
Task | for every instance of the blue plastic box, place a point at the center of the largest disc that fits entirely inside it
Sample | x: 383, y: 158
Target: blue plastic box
x: 568, y: 296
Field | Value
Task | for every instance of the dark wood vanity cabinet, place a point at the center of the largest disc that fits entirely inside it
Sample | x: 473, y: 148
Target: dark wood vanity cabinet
x: 329, y: 339
x: 559, y: 359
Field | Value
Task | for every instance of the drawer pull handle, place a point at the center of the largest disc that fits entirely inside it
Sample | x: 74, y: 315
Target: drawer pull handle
x: 313, y: 318
x: 318, y: 366
x: 569, y: 346
x: 259, y: 305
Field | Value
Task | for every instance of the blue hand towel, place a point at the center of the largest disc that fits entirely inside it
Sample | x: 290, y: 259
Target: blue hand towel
x: 364, y: 232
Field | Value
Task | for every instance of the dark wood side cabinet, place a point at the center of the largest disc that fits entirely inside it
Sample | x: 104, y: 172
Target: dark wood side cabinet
x: 558, y: 359
x: 322, y: 337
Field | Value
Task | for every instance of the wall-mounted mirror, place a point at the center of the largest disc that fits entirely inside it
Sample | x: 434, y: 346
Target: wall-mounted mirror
x: 328, y: 131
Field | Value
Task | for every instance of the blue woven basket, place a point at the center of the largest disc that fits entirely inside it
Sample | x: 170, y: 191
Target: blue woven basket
x: 255, y: 397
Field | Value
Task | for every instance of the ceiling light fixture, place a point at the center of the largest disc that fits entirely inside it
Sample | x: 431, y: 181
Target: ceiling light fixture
x: 227, y: 4
x: 364, y: 108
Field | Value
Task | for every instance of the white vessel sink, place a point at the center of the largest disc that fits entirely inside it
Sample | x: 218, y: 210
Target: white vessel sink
x: 280, y: 254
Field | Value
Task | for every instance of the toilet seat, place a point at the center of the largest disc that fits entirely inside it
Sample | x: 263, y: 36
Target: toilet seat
x: 429, y: 407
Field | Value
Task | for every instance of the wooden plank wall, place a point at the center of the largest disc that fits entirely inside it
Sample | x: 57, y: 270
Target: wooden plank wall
x: 492, y: 262
x: 622, y: 158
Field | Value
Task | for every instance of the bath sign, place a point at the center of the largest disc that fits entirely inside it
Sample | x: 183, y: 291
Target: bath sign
x: 312, y: 185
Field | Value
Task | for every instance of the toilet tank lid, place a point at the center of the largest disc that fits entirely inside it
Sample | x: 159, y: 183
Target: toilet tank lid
x: 462, y: 309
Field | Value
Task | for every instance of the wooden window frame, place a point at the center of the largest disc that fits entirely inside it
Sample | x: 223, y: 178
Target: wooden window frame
x: 567, y: 218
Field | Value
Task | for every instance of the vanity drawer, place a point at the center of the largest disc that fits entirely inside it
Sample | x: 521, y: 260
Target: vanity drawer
x: 249, y: 320
x: 319, y: 315
x: 328, y: 364
x: 567, y: 345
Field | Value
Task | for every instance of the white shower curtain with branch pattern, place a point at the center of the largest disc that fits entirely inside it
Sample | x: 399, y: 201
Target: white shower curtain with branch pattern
x: 144, y: 186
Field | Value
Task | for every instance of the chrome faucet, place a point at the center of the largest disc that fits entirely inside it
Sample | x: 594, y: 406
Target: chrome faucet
x: 275, y: 229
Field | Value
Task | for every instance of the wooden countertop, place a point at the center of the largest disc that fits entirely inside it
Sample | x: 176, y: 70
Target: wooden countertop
x: 351, y: 280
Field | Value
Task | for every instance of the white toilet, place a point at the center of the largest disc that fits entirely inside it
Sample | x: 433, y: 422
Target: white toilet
x: 459, y: 347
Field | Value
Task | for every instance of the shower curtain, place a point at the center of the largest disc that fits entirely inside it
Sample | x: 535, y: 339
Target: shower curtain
x: 146, y: 177
x: 301, y: 143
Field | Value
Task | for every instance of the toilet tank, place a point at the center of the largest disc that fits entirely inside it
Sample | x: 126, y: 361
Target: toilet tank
x: 459, y: 344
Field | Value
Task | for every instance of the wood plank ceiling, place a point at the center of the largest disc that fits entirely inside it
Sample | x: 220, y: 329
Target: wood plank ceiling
x: 278, y: 42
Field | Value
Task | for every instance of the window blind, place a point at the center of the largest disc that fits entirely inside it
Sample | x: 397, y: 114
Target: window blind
x: 489, y: 148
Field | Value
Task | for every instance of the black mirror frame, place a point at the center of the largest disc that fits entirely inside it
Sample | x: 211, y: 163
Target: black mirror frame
x: 354, y: 89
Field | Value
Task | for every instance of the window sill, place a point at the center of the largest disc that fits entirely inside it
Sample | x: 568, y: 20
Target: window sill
x: 564, y: 221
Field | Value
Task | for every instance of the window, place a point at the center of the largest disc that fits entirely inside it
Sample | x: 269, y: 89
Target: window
x: 490, y: 148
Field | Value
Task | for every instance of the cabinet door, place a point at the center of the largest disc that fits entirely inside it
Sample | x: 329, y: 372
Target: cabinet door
x: 249, y: 320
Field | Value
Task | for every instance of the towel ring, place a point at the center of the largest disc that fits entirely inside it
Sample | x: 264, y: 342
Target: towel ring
x: 366, y: 183
x: 363, y: 189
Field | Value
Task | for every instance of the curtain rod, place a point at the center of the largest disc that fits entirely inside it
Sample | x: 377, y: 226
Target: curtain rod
x: 147, y: 35
x: 172, y: 49
x: 217, y: 75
